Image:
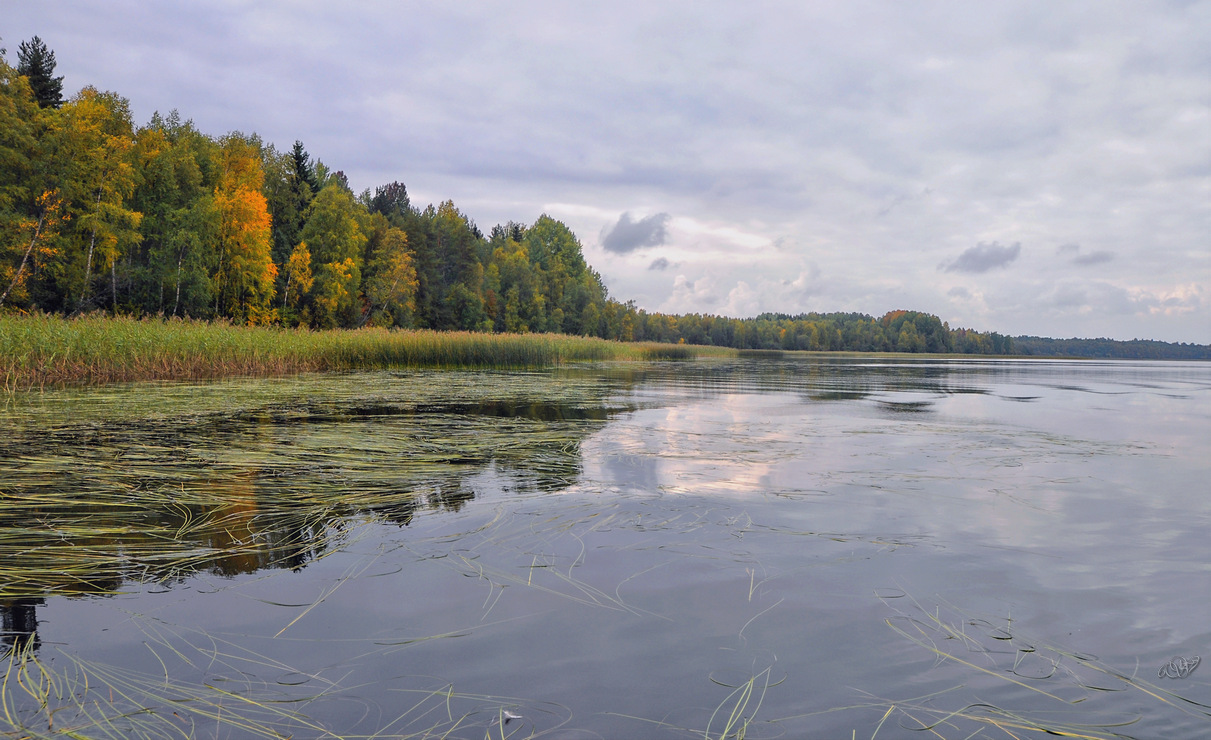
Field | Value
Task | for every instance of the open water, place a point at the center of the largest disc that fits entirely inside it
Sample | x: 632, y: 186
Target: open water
x: 821, y: 547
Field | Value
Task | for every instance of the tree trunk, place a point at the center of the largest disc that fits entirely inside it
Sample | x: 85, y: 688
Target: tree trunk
x: 88, y: 268
x: 180, y: 260
x: 28, y: 250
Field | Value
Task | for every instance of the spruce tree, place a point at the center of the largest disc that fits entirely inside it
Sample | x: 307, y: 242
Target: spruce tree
x: 37, y: 63
x: 304, y: 172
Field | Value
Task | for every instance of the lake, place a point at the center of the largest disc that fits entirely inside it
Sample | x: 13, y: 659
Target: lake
x: 769, y: 547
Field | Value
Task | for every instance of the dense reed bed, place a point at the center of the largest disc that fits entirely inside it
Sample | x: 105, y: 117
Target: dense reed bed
x: 41, y: 350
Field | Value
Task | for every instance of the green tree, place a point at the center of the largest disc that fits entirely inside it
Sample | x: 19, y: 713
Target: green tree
x: 392, y: 202
x: 456, y: 245
x: 171, y: 272
x: 37, y: 63
x: 334, y: 235
x: 390, y: 285
x: 466, y: 309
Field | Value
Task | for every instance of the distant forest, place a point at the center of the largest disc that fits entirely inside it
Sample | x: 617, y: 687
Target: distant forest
x: 1136, y: 349
x: 97, y: 214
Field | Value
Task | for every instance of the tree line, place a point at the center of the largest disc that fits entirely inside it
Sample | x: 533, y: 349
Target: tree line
x: 1135, y: 349
x: 98, y: 214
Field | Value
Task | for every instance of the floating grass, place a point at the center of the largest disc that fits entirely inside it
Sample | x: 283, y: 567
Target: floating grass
x: 95, y: 497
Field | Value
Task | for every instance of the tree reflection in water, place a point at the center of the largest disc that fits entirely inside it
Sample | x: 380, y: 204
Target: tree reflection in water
x: 89, y: 508
x: 19, y: 623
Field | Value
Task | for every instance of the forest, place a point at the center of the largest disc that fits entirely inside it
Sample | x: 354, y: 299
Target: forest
x: 98, y: 214
x: 1135, y: 349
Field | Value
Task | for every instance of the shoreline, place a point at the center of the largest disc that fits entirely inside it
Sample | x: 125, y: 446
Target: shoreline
x: 46, y: 350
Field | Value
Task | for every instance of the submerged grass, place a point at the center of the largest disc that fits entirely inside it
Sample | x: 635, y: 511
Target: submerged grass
x: 1073, y: 694
x: 63, y: 696
x: 42, y: 350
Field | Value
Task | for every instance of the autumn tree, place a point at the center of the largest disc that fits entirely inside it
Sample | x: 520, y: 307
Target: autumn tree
x: 244, y: 276
x: 298, y: 282
x: 95, y: 145
x: 31, y: 211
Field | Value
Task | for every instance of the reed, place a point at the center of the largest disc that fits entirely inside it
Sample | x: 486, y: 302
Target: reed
x: 40, y: 350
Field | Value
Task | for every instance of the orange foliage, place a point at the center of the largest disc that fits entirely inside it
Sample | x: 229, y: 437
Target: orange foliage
x: 246, y: 272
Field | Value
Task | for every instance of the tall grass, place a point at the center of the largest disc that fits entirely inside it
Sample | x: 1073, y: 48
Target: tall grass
x: 40, y: 350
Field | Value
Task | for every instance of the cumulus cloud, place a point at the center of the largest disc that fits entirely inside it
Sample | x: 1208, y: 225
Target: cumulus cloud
x: 744, y: 293
x: 690, y: 296
x: 660, y: 263
x: 628, y: 234
x: 1174, y: 301
x: 983, y: 257
x: 1099, y: 297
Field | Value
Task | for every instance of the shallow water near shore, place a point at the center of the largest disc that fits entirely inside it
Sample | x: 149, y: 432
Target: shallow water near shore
x: 796, y: 547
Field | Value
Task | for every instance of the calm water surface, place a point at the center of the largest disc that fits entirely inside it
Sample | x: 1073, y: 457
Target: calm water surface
x: 756, y: 548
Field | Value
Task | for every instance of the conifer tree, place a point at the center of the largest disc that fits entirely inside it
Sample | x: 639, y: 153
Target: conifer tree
x: 37, y: 63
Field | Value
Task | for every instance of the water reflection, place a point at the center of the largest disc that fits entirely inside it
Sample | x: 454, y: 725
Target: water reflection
x: 91, y: 506
x: 714, y: 522
x: 19, y: 623
x: 133, y: 486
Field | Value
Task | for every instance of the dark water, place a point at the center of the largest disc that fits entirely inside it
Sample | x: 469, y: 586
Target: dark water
x: 755, y: 548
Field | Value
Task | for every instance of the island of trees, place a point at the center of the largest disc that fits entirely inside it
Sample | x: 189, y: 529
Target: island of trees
x: 98, y: 214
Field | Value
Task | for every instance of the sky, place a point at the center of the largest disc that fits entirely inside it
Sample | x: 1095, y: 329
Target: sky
x: 1037, y: 168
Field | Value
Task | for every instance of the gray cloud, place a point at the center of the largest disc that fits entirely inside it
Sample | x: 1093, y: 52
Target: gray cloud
x: 1068, y: 296
x: 983, y: 257
x: 1093, y: 258
x: 629, y: 235
x: 660, y: 263
x: 1073, y: 252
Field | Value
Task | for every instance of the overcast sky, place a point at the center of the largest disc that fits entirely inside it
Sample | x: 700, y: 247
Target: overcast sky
x: 1023, y: 167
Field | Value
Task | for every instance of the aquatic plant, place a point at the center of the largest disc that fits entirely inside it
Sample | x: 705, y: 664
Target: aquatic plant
x: 1076, y: 695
